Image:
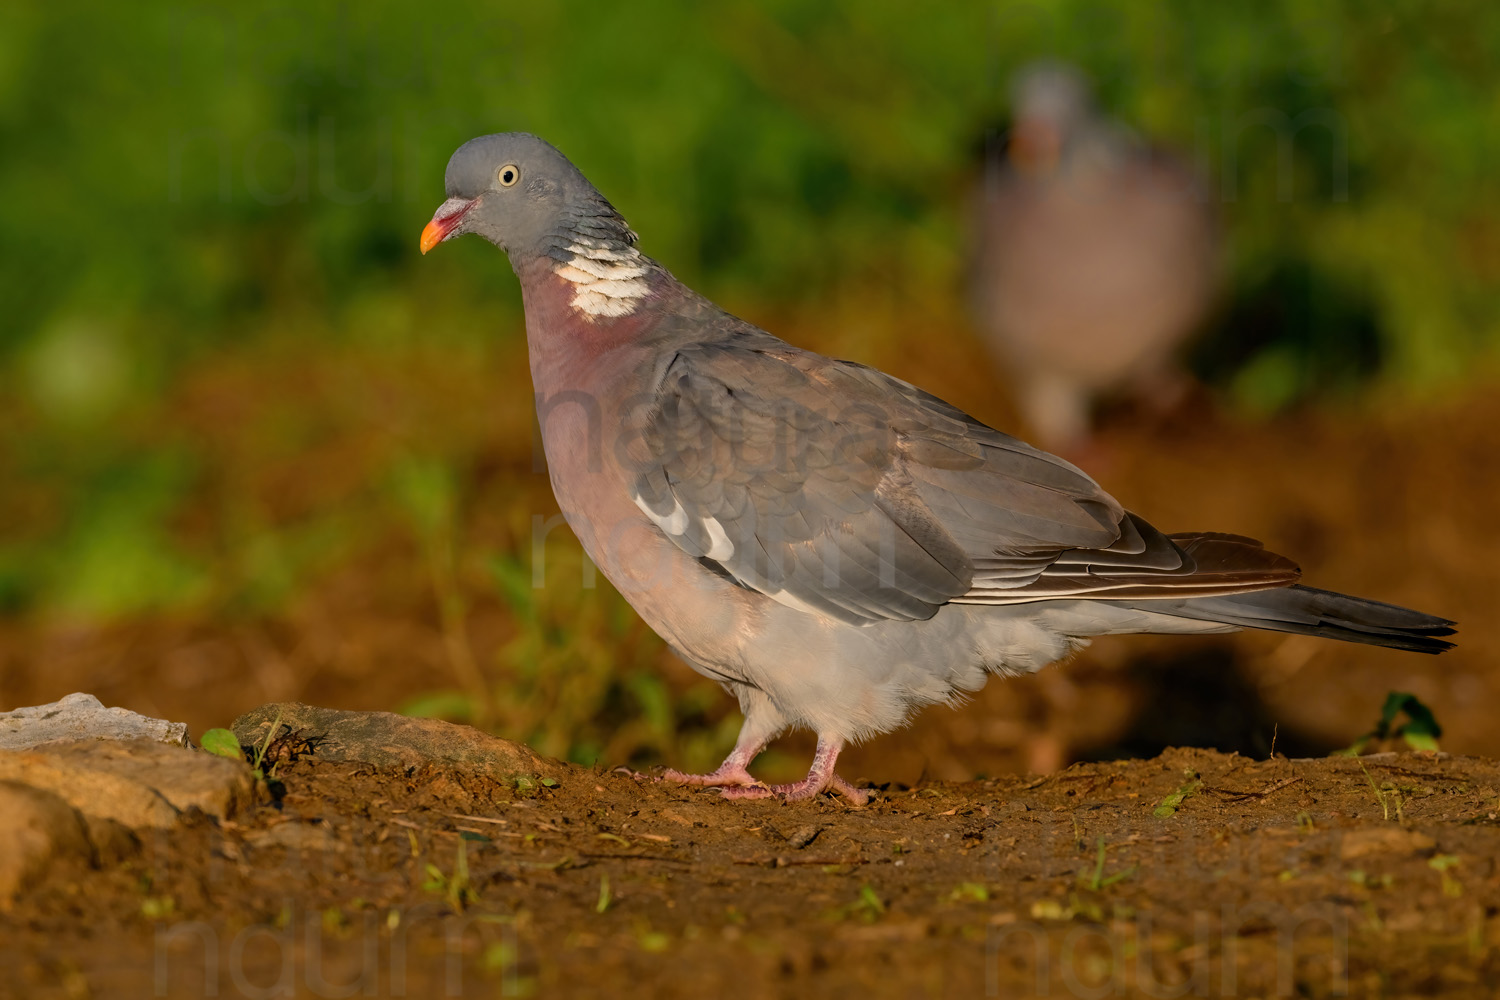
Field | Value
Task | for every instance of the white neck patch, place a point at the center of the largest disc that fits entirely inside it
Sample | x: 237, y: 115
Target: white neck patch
x: 606, y: 281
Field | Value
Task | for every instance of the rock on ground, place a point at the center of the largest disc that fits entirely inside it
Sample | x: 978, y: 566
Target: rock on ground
x: 136, y: 783
x: 83, y: 717
x: 384, y: 739
x: 36, y: 828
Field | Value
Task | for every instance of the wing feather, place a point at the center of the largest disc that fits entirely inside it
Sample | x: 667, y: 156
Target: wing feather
x: 836, y: 489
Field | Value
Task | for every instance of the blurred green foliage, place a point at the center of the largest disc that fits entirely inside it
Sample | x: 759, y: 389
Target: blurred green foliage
x: 173, y: 172
x: 586, y: 681
x: 182, y: 179
x: 581, y: 677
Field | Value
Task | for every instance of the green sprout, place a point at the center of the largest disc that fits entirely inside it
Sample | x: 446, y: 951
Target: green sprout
x: 1098, y: 880
x: 1444, y: 864
x: 969, y: 892
x: 456, y: 888
x: 605, y: 896
x: 1173, y: 802
x: 1420, y: 731
x: 260, y: 754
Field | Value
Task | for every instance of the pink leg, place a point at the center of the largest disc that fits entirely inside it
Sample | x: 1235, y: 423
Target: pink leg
x: 820, y: 777
x: 734, y: 770
x: 762, y: 723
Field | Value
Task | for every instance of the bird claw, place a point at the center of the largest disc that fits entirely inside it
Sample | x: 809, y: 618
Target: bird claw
x: 808, y: 788
x: 723, y: 777
x: 734, y: 780
x: 743, y: 792
x: 856, y: 796
x: 719, y: 778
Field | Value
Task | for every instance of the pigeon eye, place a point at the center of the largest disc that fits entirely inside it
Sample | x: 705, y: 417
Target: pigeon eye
x: 508, y: 174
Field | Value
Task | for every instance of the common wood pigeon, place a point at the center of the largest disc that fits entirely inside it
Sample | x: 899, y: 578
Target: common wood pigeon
x: 833, y: 545
x: 1095, y: 257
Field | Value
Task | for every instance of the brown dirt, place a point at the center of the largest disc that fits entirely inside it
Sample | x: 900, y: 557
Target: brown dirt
x: 1326, y: 877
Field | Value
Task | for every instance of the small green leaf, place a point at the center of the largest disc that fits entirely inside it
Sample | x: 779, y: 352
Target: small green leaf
x: 1049, y: 909
x: 1419, y: 741
x: 1420, y: 731
x: 1444, y: 864
x: 500, y: 955
x: 1171, y: 803
x: 158, y: 907
x: 1394, y: 702
x: 222, y: 743
x: 969, y: 892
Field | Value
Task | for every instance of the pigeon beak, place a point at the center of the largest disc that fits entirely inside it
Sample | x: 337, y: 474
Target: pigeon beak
x: 445, y: 220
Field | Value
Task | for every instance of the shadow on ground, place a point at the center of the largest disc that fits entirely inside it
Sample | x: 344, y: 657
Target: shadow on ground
x: 1201, y: 698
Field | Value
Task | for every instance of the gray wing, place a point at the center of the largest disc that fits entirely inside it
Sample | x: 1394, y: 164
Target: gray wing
x: 834, y: 488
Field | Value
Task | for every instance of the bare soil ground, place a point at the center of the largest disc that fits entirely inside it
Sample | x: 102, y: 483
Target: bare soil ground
x: 1192, y: 874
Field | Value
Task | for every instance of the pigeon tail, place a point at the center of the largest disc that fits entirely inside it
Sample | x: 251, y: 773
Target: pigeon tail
x: 1308, y: 611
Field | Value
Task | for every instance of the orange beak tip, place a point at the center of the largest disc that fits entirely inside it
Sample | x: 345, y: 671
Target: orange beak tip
x: 432, y: 235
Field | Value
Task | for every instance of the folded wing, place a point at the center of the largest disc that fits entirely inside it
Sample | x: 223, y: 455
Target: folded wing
x: 839, y: 490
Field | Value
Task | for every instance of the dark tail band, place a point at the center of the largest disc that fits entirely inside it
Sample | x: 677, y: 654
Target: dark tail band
x: 1306, y: 611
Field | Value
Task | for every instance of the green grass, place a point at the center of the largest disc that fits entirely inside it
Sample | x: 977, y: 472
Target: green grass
x: 176, y: 174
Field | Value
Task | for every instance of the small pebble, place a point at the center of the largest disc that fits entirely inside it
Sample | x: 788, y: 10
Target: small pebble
x: 804, y: 836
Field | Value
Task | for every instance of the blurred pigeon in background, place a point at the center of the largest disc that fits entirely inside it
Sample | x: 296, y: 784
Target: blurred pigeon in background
x: 834, y: 546
x: 1095, y: 257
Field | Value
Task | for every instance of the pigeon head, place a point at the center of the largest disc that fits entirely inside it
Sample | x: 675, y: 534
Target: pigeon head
x: 1053, y: 92
x: 525, y: 197
x: 1052, y: 104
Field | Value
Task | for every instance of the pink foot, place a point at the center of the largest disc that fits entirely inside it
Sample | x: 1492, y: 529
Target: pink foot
x: 732, y: 772
x: 735, y: 781
x: 807, y: 788
x: 820, y: 777
x: 725, y: 776
x: 858, y: 796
